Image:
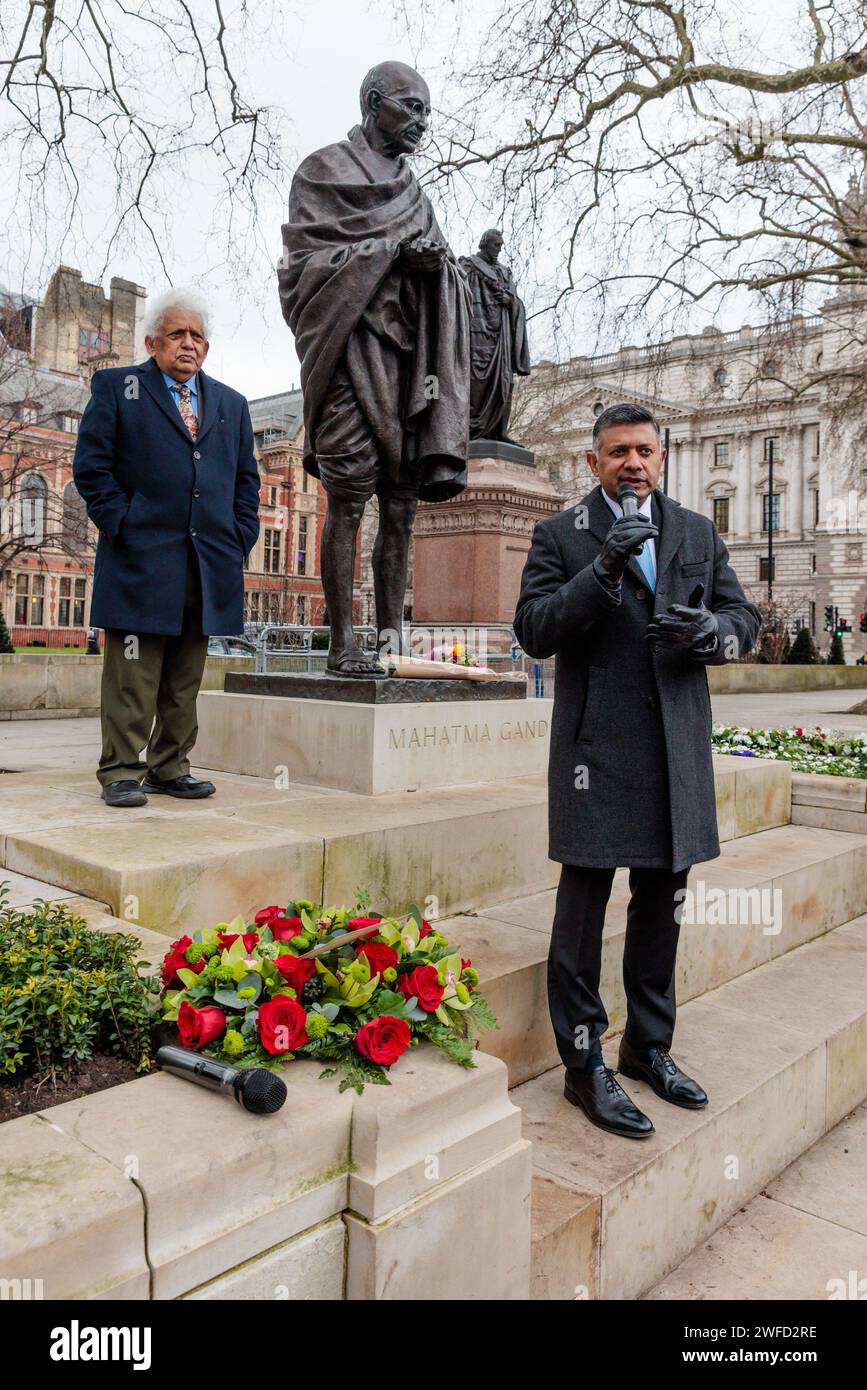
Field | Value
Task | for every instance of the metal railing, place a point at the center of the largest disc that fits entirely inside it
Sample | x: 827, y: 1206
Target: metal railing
x: 290, y: 647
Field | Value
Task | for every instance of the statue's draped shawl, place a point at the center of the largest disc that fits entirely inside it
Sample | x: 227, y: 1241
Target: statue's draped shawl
x: 500, y: 349
x: 343, y: 297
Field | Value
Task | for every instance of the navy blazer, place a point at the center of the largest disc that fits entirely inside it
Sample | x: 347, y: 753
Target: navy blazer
x: 152, y: 492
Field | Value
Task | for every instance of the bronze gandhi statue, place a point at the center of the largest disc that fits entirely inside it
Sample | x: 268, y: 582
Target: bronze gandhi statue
x: 380, y: 311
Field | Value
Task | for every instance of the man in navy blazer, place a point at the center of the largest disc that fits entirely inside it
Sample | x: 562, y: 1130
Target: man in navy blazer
x: 165, y: 464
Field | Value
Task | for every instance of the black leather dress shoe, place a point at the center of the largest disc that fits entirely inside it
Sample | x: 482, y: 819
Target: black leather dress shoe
x: 186, y: 787
x: 659, y: 1070
x: 125, y: 793
x: 605, y: 1103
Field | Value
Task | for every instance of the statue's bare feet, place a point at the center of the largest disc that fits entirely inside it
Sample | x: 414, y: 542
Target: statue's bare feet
x: 355, y: 662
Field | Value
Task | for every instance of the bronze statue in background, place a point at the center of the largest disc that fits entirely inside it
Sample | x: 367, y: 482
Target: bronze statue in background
x: 500, y: 350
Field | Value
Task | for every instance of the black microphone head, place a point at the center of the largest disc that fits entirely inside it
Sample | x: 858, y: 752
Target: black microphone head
x: 260, y: 1091
x: 626, y: 490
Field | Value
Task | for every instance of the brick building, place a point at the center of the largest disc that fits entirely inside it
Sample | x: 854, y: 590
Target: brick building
x: 48, y: 352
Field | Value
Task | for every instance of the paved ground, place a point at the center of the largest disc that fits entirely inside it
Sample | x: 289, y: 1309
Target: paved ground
x: 27, y: 745
x: 804, y: 1237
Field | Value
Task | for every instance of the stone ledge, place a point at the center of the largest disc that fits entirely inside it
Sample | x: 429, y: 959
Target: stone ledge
x: 220, y: 1196
x: 69, y: 1217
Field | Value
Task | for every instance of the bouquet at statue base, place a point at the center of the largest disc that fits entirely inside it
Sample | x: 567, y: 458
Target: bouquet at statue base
x: 332, y: 984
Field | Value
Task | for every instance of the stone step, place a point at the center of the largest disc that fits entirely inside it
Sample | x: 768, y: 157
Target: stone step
x: 803, y: 1237
x: 782, y: 1053
x: 766, y: 894
x: 173, y: 866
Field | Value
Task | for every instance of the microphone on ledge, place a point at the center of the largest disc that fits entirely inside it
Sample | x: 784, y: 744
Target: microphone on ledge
x: 257, y: 1090
x: 628, y: 499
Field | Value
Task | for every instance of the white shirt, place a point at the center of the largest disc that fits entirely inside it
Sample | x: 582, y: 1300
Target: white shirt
x: 644, y: 510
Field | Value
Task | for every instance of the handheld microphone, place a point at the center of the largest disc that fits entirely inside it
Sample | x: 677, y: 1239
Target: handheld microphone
x: 257, y: 1090
x: 628, y: 499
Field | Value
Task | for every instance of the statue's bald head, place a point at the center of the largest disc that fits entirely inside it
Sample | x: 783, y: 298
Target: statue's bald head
x: 395, y: 108
x: 390, y: 79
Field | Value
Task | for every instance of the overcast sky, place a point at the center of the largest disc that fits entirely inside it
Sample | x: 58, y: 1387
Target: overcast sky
x: 311, y: 69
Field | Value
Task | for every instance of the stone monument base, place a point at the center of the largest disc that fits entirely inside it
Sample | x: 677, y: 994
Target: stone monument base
x: 373, y: 736
x: 480, y: 538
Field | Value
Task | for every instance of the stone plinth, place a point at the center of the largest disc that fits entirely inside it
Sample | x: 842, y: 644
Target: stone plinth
x: 470, y: 551
x: 373, y: 747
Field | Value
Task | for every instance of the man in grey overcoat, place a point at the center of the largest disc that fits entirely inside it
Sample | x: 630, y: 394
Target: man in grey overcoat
x: 631, y: 776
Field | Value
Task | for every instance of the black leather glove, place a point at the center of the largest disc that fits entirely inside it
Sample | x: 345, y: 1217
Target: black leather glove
x: 685, y: 629
x: 624, y: 537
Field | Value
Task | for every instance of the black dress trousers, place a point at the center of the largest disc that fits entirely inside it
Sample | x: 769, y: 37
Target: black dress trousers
x: 575, y: 958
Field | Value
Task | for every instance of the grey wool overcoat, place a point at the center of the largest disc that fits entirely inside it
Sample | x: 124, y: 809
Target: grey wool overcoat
x: 630, y: 775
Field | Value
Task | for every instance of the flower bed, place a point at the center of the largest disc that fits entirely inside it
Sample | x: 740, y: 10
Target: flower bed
x: 75, y: 1012
x: 330, y: 984
x: 819, y: 750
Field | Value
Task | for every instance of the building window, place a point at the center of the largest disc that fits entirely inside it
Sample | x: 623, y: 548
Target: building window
x: 69, y: 423
x: 816, y: 507
x: 772, y: 448
x: 775, y: 512
x: 817, y: 443
x: 721, y: 376
x: 273, y: 496
x: 763, y: 568
x: 721, y: 514
x: 92, y: 342
x: 70, y: 605
x: 598, y: 408
x: 721, y: 455
x: 272, y: 552
x: 302, y: 545
x: 22, y: 587
x: 29, y: 600
x: 813, y: 616
x: 813, y: 563
x: 302, y: 610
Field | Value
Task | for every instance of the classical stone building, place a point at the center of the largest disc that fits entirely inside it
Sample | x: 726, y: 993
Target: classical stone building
x: 741, y: 407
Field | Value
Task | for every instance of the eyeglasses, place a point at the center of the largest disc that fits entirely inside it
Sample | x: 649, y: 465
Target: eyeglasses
x: 412, y: 105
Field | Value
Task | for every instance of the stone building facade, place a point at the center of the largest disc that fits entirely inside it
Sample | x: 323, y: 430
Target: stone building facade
x: 741, y: 407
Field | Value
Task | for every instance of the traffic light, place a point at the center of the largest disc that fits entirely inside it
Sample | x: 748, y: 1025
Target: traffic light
x: 829, y: 616
x: 863, y: 623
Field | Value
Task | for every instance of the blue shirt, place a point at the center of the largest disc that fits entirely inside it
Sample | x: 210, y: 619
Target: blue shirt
x: 176, y: 395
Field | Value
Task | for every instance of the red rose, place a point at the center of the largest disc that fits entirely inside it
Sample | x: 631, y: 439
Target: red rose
x: 383, y: 1039
x: 226, y: 939
x: 282, y: 1025
x: 356, y: 923
x: 295, y: 971
x: 284, y: 928
x: 198, y: 1027
x: 175, y: 960
x: 422, y: 983
x: 425, y: 929
x: 266, y: 915
x: 379, y: 956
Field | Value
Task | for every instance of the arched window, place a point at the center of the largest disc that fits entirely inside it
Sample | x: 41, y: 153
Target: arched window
x: 74, y: 529
x: 31, y: 505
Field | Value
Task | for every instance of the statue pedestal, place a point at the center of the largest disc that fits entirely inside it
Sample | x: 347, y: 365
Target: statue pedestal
x: 470, y: 551
x: 373, y: 736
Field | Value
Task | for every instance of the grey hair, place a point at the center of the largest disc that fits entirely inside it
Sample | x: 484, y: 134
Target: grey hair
x: 175, y: 299
x: 624, y: 414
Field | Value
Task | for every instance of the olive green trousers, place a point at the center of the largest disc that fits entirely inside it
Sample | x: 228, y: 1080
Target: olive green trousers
x: 148, y: 696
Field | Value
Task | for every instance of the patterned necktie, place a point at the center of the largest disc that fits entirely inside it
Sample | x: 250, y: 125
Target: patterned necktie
x: 188, y: 415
